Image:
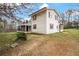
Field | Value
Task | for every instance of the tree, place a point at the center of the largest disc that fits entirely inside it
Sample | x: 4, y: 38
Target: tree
x: 1, y: 25
x: 61, y: 21
x: 76, y: 21
x: 69, y: 13
x: 12, y: 10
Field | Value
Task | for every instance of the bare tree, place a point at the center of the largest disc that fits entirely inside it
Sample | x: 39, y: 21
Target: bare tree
x: 69, y: 19
x: 69, y: 13
x: 11, y: 10
x: 61, y: 21
x: 1, y: 25
x: 76, y: 23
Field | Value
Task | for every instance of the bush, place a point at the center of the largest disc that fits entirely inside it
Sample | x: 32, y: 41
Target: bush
x: 71, y: 27
x: 21, y: 36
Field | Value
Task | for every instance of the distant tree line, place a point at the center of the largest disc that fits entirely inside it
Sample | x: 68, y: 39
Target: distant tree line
x: 70, y: 19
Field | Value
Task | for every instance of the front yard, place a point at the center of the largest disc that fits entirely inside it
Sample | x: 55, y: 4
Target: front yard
x: 63, y: 43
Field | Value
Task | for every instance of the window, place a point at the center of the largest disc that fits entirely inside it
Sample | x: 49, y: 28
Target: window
x: 34, y: 26
x: 51, y: 26
x: 49, y: 14
x: 56, y: 17
x: 57, y: 27
x: 34, y: 17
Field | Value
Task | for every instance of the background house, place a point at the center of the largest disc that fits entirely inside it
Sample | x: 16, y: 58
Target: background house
x: 25, y: 26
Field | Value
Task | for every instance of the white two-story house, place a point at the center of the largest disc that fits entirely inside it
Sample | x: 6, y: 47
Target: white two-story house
x: 45, y: 21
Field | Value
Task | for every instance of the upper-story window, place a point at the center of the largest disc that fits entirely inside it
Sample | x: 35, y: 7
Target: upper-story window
x: 56, y: 17
x: 34, y: 17
x: 49, y: 15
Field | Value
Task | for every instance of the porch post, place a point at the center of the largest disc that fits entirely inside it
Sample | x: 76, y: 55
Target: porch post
x: 20, y: 28
x: 25, y: 27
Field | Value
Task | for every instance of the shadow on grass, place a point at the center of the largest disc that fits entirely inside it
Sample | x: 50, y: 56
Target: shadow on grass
x: 36, y: 33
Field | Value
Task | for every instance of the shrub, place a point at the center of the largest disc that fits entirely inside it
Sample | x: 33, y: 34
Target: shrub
x: 21, y: 36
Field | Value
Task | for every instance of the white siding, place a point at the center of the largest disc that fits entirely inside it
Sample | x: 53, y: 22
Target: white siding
x: 43, y: 22
x: 53, y: 21
x: 40, y: 23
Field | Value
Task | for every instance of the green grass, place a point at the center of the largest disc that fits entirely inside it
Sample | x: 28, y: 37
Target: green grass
x: 7, y: 38
x: 66, y: 34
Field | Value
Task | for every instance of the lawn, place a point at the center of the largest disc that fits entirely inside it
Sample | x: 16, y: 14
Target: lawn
x: 6, y: 39
x: 62, y: 43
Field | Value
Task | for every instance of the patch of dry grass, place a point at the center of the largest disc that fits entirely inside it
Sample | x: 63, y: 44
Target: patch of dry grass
x: 7, y: 39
